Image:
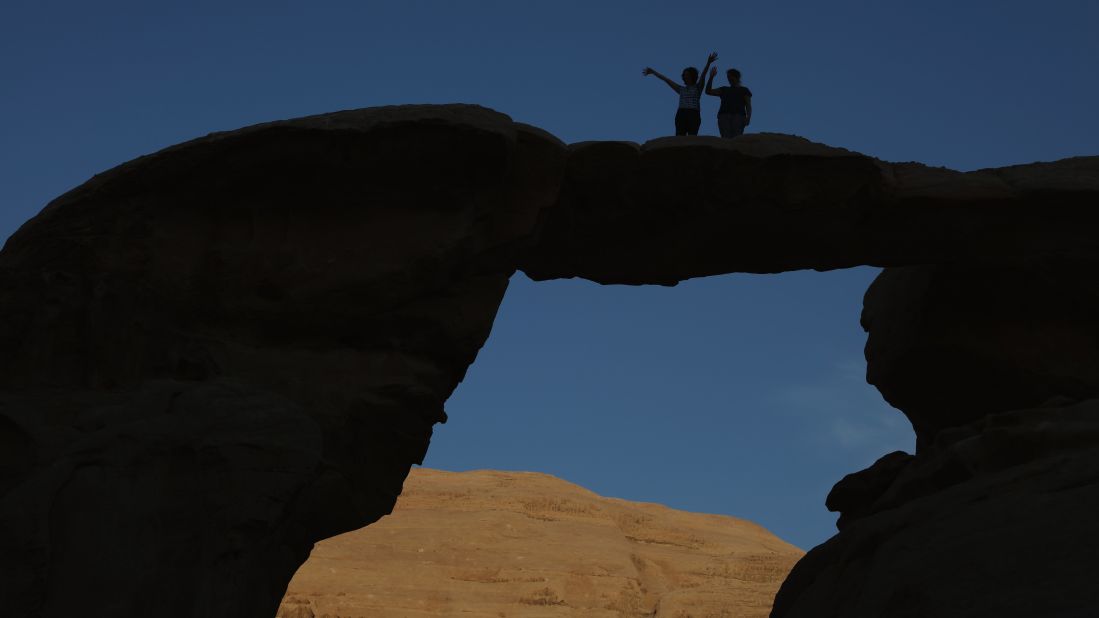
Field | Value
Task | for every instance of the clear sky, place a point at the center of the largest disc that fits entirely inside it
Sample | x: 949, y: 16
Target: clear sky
x: 738, y: 394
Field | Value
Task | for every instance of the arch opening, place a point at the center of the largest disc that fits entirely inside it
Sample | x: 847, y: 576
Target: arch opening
x: 710, y: 396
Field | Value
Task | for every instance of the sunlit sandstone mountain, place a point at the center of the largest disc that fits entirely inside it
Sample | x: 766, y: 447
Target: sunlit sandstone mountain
x: 497, y: 544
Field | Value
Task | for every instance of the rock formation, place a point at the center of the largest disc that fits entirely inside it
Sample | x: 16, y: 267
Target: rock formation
x: 485, y: 544
x: 676, y: 208
x: 216, y: 355
x: 950, y: 343
x: 996, y: 518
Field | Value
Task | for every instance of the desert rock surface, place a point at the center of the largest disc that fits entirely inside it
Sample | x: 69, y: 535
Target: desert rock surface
x: 494, y: 544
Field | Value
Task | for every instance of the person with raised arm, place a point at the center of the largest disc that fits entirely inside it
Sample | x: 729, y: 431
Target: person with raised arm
x: 688, y: 118
x: 735, y: 112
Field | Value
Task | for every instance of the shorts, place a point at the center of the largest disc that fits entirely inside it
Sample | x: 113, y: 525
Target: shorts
x: 687, y: 121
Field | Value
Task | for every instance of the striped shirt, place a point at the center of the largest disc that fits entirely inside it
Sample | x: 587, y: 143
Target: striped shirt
x: 689, y: 96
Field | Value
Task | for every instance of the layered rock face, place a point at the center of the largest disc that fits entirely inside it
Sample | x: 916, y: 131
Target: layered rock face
x: 216, y: 355
x: 485, y: 544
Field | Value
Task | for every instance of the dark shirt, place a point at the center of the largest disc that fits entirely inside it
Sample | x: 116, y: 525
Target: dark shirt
x: 734, y: 99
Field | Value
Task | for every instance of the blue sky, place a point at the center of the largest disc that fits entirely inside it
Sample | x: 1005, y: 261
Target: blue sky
x: 737, y: 394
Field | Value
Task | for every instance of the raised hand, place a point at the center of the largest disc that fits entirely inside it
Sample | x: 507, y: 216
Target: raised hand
x: 648, y: 71
x: 713, y: 72
x: 712, y: 57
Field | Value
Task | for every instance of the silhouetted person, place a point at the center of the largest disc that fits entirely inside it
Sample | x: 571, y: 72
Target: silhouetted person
x: 689, y: 116
x: 736, y: 104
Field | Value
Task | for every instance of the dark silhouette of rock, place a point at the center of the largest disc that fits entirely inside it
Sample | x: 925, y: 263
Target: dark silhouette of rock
x: 216, y: 355
x: 997, y: 518
x: 951, y: 343
x: 855, y: 495
x: 676, y: 208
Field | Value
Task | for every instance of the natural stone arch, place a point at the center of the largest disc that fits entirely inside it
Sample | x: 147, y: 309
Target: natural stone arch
x: 222, y: 352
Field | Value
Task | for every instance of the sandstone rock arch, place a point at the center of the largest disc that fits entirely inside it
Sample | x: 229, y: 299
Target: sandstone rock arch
x: 220, y: 353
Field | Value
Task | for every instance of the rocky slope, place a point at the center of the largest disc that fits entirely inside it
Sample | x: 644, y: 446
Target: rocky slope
x: 488, y: 544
